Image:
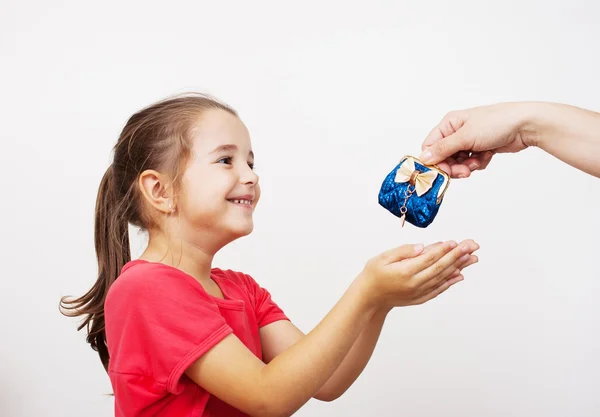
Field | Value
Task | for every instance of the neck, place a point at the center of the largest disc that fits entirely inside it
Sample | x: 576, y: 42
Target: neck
x: 181, y: 254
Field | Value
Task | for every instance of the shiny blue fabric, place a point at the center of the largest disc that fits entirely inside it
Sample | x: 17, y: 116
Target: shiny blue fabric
x: 420, y: 210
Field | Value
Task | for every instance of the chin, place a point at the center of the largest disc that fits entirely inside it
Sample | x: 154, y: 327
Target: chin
x: 241, y: 231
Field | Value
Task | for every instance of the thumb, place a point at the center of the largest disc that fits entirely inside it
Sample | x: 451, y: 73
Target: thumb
x: 400, y: 253
x: 445, y: 148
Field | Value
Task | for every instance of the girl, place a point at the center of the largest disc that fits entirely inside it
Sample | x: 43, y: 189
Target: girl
x: 179, y: 337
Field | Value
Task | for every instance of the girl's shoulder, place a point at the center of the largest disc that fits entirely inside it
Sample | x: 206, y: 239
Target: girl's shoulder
x: 230, y: 275
x: 138, y: 272
x: 234, y: 277
x: 141, y: 275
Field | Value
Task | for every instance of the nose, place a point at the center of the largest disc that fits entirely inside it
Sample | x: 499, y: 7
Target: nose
x: 248, y: 176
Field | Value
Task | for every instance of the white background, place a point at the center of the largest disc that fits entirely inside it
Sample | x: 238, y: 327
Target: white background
x: 333, y: 94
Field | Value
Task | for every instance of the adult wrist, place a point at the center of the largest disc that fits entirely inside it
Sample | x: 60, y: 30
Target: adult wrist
x: 537, y: 121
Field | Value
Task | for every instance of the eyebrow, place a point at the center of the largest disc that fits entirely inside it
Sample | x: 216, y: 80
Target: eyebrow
x: 229, y: 148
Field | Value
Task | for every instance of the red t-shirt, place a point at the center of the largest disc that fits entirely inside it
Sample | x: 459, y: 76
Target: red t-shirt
x: 159, y: 320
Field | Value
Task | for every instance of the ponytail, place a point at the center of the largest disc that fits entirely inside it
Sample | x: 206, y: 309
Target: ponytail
x: 111, y: 238
x: 158, y: 138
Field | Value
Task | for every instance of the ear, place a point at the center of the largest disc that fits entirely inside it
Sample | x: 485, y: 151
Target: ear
x: 157, y: 191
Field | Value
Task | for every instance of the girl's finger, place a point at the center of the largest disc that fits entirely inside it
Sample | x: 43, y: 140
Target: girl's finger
x: 453, y: 270
x: 400, y: 253
x: 473, y: 259
x: 434, y: 270
x: 439, y: 289
x: 425, y: 260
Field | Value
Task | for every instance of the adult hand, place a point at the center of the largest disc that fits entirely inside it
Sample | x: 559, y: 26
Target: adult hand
x: 466, y: 140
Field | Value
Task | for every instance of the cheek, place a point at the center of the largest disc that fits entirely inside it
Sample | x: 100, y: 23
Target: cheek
x: 195, y: 198
x: 205, y: 198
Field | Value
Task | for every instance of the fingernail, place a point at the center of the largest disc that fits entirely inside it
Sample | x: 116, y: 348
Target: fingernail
x: 453, y: 244
x: 425, y: 156
x: 464, y: 258
x: 461, y: 176
x: 473, y: 166
x: 418, y: 248
x: 465, y: 248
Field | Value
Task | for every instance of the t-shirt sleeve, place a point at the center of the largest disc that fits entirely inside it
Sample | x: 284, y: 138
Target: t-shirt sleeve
x: 160, y: 324
x: 265, y: 309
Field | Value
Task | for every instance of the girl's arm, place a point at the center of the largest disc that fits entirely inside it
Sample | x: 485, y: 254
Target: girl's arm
x: 232, y: 373
x: 279, y: 336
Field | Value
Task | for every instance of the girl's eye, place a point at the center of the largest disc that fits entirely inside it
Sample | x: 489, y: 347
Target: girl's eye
x: 229, y: 160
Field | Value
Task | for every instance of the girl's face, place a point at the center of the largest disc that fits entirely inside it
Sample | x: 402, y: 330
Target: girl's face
x: 219, y: 189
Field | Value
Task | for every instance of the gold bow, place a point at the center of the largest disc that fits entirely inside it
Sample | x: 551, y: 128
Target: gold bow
x: 423, y: 181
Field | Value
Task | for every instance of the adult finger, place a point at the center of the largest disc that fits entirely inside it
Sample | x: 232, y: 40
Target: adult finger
x: 478, y: 160
x: 461, y: 157
x: 445, y: 148
x: 460, y: 171
x: 473, y: 162
x: 447, y: 126
x: 432, y: 137
x: 486, y: 158
x: 445, y: 166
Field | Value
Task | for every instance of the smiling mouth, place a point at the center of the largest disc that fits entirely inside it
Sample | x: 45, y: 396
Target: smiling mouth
x: 241, y: 202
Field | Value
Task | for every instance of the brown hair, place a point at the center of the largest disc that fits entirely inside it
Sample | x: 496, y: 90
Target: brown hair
x: 157, y: 137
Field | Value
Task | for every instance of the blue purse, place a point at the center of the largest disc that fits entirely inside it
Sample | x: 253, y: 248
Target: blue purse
x: 414, y: 191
